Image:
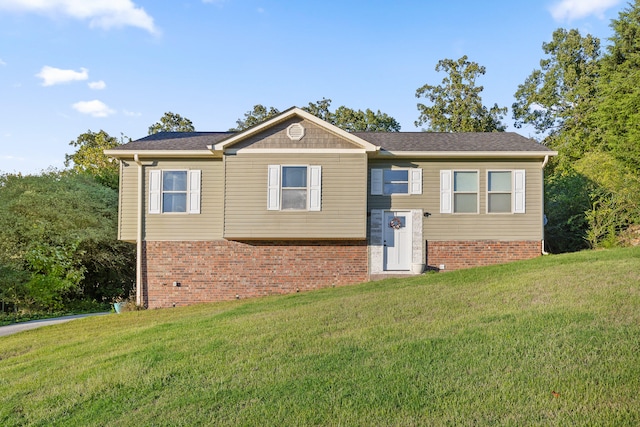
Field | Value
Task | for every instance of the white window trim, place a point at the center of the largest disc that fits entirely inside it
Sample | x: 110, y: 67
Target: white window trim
x: 447, y: 193
x: 518, y: 196
x: 194, y: 177
x: 414, y: 184
x: 314, y: 188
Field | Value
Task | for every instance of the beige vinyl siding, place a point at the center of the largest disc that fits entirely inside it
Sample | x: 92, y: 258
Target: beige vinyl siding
x: 480, y: 226
x: 343, y: 208
x: 128, y: 204
x: 207, y: 225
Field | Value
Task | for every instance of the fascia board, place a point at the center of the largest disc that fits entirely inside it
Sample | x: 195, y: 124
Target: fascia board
x: 157, y: 154
x: 468, y: 154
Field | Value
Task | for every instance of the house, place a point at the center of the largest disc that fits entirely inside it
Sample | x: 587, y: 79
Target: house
x: 296, y: 203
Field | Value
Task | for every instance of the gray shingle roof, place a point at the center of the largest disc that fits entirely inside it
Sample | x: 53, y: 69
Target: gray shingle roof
x: 388, y: 141
x: 451, y: 142
x: 175, y: 141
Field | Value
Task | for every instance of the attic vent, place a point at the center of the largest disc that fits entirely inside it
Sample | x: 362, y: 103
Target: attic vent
x: 295, y: 132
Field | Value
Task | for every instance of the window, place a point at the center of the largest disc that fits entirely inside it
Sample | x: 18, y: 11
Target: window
x: 174, y: 191
x: 499, y: 192
x: 294, y: 188
x: 458, y: 191
x: 505, y: 191
x: 465, y: 192
x: 396, y: 181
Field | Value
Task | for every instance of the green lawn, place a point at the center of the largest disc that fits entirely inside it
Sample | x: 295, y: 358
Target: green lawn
x: 551, y: 341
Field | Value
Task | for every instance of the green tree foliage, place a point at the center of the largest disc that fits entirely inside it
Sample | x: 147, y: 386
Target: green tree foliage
x: 557, y: 99
x: 255, y: 116
x: 618, y: 113
x: 587, y: 107
x: 90, y: 158
x: 456, y: 104
x: 59, y: 241
x: 171, y: 122
x: 343, y: 117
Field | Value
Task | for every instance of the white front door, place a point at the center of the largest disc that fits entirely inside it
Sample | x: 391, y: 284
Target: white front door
x: 397, y: 240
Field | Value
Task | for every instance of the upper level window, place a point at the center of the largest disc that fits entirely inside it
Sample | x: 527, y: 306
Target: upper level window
x: 506, y: 191
x: 396, y: 181
x: 174, y: 191
x: 458, y: 191
x: 499, y: 192
x: 465, y: 192
x: 294, y: 188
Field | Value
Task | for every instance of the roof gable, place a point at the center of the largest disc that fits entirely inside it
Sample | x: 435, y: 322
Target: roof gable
x: 278, y: 123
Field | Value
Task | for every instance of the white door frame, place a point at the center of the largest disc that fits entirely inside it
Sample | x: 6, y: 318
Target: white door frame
x: 376, y: 239
x: 397, y: 240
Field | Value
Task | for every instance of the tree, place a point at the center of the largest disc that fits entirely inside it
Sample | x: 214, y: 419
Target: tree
x: 90, y: 157
x: 59, y: 240
x: 558, y: 99
x: 172, y: 122
x: 255, y: 116
x: 618, y: 113
x: 456, y: 105
x: 344, y: 118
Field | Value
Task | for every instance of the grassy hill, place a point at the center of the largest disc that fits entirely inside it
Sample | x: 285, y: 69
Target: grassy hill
x: 551, y: 341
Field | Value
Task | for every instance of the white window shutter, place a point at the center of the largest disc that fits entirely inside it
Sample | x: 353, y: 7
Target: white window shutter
x: 376, y: 182
x: 416, y: 181
x: 194, y: 191
x: 445, y: 192
x: 518, y: 191
x: 273, y: 188
x: 155, y: 193
x: 315, y: 188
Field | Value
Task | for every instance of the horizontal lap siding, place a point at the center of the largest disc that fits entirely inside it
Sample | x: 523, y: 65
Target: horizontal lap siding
x: 343, y: 209
x: 481, y: 226
x: 128, y: 205
x: 207, y: 224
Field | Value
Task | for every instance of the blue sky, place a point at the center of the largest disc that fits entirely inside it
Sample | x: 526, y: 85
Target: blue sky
x: 68, y: 66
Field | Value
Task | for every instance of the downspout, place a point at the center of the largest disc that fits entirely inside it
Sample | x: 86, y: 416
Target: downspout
x: 544, y: 163
x: 139, y: 231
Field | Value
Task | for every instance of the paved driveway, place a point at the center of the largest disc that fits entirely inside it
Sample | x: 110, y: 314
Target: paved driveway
x: 25, y: 326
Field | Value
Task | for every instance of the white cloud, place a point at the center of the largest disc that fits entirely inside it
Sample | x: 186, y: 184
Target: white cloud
x: 100, y: 13
x: 131, y: 113
x: 52, y: 76
x: 568, y: 10
x: 99, y: 85
x: 94, y: 108
x: 2, y: 62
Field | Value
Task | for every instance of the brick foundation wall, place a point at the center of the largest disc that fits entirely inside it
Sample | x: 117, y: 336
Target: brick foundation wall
x: 456, y: 255
x: 219, y: 270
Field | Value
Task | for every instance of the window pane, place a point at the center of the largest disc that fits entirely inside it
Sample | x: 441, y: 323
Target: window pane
x: 465, y: 203
x: 500, y: 181
x: 396, y: 175
x: 294, y: 199
x: 500, y: 202
x: 396, y: 188
x: 174, y: 202
x: 294, y: 176
x: 174, y: 181
x: 465, y: 181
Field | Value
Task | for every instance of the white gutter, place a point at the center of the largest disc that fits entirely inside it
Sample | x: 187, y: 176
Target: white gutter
x: 544, y: 163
